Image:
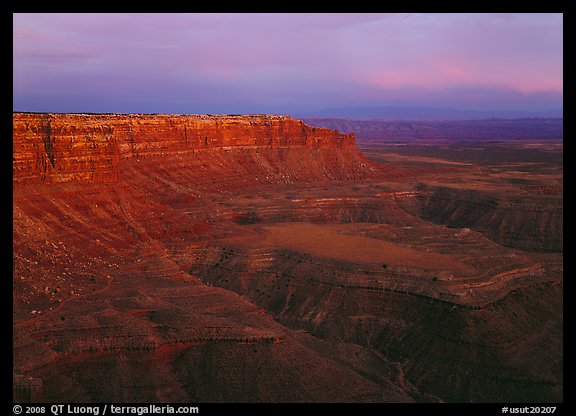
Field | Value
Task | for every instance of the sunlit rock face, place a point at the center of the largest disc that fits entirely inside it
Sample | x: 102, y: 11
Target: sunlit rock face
x: 89, y: 147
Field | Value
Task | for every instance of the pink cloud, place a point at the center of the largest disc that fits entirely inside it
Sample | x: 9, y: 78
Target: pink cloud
x: 311, y: 59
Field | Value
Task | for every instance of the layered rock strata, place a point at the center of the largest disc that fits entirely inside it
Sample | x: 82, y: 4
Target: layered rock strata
x: 89, y: 147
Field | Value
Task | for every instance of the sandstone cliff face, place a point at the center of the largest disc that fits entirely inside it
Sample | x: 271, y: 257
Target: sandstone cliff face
x: 52, y: 148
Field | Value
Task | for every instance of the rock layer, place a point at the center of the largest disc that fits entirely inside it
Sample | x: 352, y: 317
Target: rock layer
x: 89, y: 147
x: 530, y: 223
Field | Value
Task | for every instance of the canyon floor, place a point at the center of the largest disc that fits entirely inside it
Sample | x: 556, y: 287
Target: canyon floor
x: 437, y: 279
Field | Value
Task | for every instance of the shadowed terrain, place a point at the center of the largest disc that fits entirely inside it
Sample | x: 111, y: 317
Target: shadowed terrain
x: 259, y: 259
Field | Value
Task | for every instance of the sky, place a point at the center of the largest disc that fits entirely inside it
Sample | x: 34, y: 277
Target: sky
x: 285, y: 63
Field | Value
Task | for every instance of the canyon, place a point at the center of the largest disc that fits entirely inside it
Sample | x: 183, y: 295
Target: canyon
x: 256, y: 258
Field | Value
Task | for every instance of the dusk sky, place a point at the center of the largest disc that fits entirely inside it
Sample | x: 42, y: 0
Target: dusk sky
x: 285, y: 63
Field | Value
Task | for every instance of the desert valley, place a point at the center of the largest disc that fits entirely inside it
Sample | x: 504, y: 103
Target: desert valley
x: 257, y: 258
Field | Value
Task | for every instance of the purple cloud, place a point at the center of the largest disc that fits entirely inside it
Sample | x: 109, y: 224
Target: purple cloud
x: 284, y: 62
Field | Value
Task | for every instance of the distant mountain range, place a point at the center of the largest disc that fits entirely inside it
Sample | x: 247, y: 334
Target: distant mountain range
x: 539, y: 128
x: 392, y: 113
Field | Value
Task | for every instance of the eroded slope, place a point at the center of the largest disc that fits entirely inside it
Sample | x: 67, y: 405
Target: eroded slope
x: 291, y: 269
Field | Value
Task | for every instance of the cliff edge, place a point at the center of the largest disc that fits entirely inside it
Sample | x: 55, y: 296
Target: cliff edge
x: 50, y: 148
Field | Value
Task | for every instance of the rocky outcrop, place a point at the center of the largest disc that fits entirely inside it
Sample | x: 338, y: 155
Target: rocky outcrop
x: 89, y: 147
x: 470, y: 349
x: 530, y: 223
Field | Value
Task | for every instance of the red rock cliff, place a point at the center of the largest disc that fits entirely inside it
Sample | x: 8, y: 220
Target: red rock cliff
x: 89, y: 147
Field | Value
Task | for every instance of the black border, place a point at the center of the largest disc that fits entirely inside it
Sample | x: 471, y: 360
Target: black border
x: 550, y: 6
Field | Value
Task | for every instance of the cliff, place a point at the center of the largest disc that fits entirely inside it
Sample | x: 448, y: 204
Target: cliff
x: 532, y: 223
x: 52, y: 148
x: 233, y: 259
